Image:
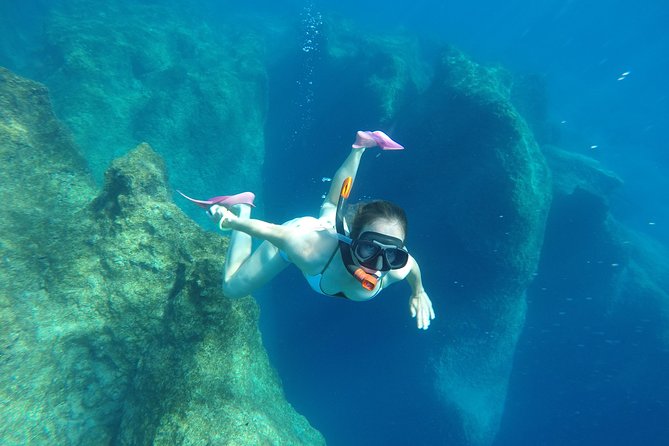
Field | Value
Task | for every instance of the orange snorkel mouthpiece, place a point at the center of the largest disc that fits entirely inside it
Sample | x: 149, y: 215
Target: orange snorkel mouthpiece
x: 368, y: 281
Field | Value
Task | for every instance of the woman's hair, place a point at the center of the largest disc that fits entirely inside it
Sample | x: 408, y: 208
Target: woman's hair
x: 367, y: 212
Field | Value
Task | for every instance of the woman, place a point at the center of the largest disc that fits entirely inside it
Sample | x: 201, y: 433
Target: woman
x: 356, y: 266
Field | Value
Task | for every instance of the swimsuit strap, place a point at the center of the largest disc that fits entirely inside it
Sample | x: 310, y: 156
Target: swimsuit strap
x: 332, y: 256
x: 320, y: 276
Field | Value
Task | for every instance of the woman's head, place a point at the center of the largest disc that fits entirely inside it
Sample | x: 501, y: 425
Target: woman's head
x: 379, y: 216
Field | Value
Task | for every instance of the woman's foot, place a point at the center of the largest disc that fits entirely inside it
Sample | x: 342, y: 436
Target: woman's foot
x: 224, y: 200
x: 226, y: 208
x: 366, y: 139
x: 222, y: 216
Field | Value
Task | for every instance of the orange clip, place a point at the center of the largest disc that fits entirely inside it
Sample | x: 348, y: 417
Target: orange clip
x: 346, y: 187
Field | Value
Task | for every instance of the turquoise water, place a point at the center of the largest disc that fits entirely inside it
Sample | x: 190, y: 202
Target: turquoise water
x: 591, y: 357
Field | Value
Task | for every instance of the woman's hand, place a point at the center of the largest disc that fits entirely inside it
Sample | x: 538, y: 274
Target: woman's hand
x: 421, y: 308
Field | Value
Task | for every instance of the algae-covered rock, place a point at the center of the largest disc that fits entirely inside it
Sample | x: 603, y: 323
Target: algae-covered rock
x: 490, y: 196
x: 624, y: 272
x: 598, y: 319
x: 388, y: 66
x: 113, y: 325
x: 572, y: 171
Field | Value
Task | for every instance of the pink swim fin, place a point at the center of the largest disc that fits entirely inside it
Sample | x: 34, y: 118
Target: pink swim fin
x: 223, y: 200
x: 377, y: 138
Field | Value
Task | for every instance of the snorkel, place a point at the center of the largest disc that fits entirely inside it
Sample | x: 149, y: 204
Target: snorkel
x: 368, y: 281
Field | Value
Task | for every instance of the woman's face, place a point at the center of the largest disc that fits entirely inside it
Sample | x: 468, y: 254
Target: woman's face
x: 387, y: 227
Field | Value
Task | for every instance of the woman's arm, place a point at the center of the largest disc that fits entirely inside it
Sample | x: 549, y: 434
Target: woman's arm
x: 349, y: 168
x: 414, y: 277
x: 420, y: 304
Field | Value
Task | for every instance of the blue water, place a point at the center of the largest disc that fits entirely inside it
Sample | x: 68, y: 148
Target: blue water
x: 361, y: 372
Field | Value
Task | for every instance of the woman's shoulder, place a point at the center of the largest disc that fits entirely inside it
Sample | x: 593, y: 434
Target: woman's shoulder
x: 310, y: 243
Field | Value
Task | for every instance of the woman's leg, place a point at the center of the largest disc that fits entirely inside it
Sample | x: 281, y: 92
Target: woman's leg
x: 240, y: 245
x: 258, y: 269
x: 245, y: 271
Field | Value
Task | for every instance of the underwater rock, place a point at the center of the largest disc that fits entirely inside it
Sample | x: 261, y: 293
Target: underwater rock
x: 624, y: 273
x: 491, y: 198
x: 391, y: 65
x: 599, y: 299
x: 529, y: 94
x: 571, y: 171
x: 113, y: 325
x: 642, y: 290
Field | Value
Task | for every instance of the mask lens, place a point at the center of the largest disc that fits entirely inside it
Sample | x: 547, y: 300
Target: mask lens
x: 365, y: 250
x: 396, y: 258
x: 391, y: 256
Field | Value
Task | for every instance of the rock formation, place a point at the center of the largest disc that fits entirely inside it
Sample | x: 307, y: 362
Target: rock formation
x: 490, y: 197
x: 113, y: 326
x: 595, y: 345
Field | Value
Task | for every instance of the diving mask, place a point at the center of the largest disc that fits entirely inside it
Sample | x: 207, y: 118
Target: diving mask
x: 371, y: 246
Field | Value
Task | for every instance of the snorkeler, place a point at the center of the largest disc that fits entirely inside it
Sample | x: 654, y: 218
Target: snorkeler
x: 355, y: 263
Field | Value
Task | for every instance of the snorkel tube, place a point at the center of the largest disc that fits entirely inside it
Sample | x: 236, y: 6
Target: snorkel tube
x: 368, y: 281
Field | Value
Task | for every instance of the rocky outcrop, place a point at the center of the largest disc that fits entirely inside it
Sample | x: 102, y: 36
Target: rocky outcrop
x: 389, y: 67
x: 600, y: 300
x: 113, y: 326
x: 491, y: 198
x: 624, y: 273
